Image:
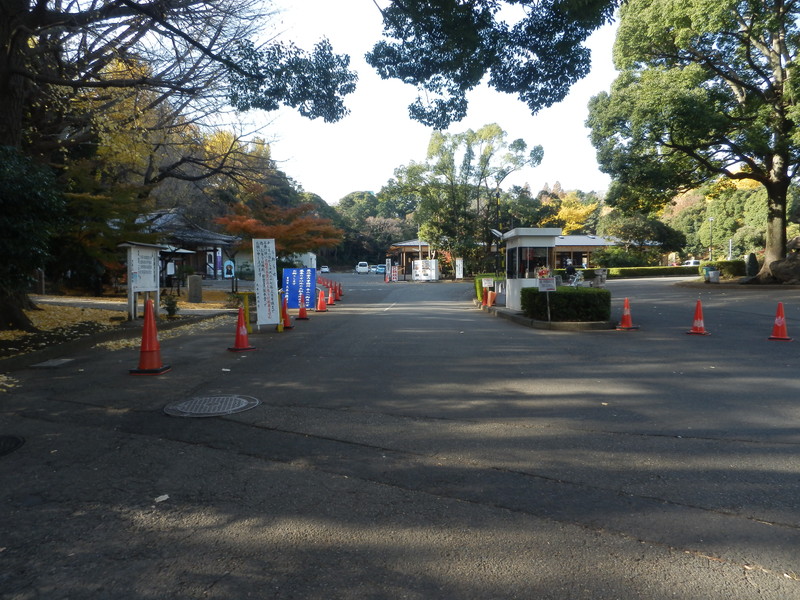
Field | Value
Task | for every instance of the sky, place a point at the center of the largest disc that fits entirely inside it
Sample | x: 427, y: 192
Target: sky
x: 362, y: 151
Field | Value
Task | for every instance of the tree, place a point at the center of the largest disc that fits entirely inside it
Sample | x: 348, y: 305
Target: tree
x: 31, y: 209
x: 295, y: 229
x: 575, y: 212
x: 532, y: 48
x: 194, y: 52
x: 705, y: 90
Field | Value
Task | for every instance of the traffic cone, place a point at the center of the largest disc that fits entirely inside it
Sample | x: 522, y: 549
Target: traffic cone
x: 331, y: 300
x: 490, y: 300
x: 340, y: 291
x: 150, y: 354
x: 779, y: 329
x: 241, y: 344
x: 286, y: 319
x: 337, y: 291
x: 698, y: 327
x: 485, y: 297
x: 626, y: 324
x: 302, y: 315
x: 321, y: 306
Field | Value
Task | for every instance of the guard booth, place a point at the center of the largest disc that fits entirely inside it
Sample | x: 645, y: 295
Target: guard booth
x: 528, y: 250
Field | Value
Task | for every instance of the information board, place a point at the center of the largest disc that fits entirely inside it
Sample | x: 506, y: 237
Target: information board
x: 266, y: 282
x: 299, y: 282
x: 143, y: 269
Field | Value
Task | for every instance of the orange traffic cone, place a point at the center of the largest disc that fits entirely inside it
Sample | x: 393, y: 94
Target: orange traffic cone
x: 302, y: 315
x: 150, y: 354
x: 490, y: 300
x: 626, y: 324
x: 321, y: 306
x: 485, y: 297
x: 286, y: 319
x: 779, y: 329
x: 241, y: 344
x: 698, y: 327
x: 331, y: 299
x: 337, y: 291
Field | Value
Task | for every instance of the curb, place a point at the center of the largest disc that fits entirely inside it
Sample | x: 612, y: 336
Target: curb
x: 520, y: 319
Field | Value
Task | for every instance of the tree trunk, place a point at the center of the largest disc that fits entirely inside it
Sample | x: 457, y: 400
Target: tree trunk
x: 12, y: 317
x: 775, y: 248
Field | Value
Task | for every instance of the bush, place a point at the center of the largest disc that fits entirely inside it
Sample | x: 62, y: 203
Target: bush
x: 568, y: 304
x: 170, y: 303
x: 728, y: 269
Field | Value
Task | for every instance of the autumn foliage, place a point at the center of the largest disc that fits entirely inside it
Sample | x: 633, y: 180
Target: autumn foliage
x: 294, y: 228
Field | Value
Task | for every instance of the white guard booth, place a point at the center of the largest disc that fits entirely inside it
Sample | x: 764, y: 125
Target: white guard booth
x: 528, y: 249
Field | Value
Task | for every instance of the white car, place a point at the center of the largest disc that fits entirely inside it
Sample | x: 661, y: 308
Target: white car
x: 691, y: 263
x: 324, y: 269
x: 362, y: 267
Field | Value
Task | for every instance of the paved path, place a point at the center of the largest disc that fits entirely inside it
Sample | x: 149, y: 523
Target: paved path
x: 409, y: 445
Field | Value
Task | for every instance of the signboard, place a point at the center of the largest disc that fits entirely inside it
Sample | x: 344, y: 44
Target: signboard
x: 459, y: 268
x: 547, y: 284
x: 395, y: 272
x: 268, y: 310
x: 143, y: 269
x: 297, y: 282
x: 487, y: 282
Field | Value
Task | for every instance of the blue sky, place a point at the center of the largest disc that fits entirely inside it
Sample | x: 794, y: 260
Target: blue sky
x: 362, y: 151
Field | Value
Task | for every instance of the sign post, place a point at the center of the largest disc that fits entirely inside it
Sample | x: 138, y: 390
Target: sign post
x: 268, y: 310
x: 547, y: 285
x: 143, y: 273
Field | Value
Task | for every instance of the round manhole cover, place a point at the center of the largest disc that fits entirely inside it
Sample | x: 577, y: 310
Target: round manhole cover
x: 211, y: 406
x: 9, y: 443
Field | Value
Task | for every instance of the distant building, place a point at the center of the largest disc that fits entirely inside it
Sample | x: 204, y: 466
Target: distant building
x: 578, y: 248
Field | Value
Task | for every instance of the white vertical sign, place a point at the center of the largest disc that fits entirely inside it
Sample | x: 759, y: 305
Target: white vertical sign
x: 459, y: 268
x: 266, y: 282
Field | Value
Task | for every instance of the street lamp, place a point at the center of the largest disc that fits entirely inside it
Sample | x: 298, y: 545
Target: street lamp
x: 711, y: 239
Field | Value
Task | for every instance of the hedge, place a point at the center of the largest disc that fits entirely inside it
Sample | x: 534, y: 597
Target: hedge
x: 728, y: 269
x: 568, y: 304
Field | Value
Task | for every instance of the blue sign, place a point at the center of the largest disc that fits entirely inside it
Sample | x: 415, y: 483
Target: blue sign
x: 299, y: 282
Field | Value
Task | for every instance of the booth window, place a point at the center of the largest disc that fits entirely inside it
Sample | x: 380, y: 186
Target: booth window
x: 522, y: 263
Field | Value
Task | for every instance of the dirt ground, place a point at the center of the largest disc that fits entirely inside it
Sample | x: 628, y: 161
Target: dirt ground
x: 58, y: 323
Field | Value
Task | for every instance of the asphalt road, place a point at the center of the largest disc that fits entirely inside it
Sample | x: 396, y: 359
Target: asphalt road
x: 410, y: 445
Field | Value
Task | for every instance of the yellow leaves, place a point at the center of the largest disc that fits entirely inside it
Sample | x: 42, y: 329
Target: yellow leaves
x: 573, y: 213
x: 51, y: 317
x: 189, y: 328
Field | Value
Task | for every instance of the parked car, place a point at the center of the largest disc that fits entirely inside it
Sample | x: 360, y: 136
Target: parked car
x: 362, y: 267
x: 373, y: 268
x: 324, y: 269
x: 691, y: 263
x: 380, y: 269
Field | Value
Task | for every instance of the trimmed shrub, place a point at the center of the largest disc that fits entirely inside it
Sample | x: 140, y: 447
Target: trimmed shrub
x: 728, y: 269
x: 568, y: 304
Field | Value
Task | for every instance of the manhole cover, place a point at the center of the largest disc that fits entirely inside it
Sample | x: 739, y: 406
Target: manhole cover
x: 9, y: 443
x: 211, y: 406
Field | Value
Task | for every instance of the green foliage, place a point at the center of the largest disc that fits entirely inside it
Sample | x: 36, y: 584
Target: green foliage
x: 314, y: 83
x: 31, y: 213
x: 728, y: 269
x: 702, y: 94
x: 447, y: 47
x: 169, y: 302
x: 567, y: 304
x: 614, y: 256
